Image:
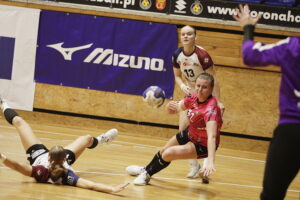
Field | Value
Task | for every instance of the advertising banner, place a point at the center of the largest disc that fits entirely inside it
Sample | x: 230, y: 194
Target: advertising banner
x: 18, y: 37
x: 210, y: 9
x: 102, y: 53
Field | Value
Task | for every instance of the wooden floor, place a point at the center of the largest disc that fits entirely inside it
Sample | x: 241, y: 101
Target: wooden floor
x: 238, y: 175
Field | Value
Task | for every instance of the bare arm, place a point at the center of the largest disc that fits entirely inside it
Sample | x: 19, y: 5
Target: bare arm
x: 216, y: 91
x: 24, y: 169
x: 86, y: 184
x: 175, y: 107
x: 211, y: 128
x: 178, y: 79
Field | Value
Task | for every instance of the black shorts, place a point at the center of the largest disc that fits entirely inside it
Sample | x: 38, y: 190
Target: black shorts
x: 37, y: 150
x: 183, y: 138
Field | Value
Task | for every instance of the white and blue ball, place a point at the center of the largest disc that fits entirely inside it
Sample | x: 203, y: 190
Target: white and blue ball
x: 154, y: 96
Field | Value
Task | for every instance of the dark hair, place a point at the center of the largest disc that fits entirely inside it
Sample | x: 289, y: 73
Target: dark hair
x: 191, y: 27
x: 208, y: 77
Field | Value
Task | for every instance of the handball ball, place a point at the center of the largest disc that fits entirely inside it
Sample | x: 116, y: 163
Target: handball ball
x: 154, y: 96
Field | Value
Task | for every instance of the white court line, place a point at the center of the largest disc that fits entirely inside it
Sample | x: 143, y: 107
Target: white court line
x: 174, y: 179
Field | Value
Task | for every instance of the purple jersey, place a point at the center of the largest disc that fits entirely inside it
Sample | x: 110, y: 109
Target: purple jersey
x: 286, y: 54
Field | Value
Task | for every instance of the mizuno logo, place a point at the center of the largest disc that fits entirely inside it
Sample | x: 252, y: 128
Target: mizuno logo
x: 68, y: 52
x: 109, y: 57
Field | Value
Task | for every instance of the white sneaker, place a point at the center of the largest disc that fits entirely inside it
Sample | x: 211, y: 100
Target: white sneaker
x: 3, y: 104
x: 142, y: 179
x: 108, y: 136
x: 194, y: 169
x: 135, y: 170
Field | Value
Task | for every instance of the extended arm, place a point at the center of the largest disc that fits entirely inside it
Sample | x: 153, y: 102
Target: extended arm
x: 211, y: 128
x: 178, y: 79
x: 24, y: 169
x: 86, y: 184
x: 175, y: 107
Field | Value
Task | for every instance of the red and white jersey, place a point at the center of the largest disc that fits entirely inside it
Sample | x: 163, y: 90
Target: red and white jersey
x: 199, y: 114
x: 192, y: 65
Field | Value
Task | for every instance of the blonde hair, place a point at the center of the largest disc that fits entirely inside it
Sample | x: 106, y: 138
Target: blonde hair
x: 208, y: 77
x: 57, y: 156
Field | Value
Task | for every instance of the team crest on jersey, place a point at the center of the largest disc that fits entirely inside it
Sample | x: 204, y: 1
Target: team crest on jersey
x: 206, y: 60
x: 145, y: 4
x: 196, y: 8
x: 160, y: 4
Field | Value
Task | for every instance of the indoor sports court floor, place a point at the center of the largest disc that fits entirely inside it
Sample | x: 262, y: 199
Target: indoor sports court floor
x: 238, y: 175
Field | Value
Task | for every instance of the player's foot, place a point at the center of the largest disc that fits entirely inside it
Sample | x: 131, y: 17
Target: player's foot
x: 108, y: 136
x: 135, y: 170
x: 142, y: 179
x: 194, y: 169
x: 3, y: 104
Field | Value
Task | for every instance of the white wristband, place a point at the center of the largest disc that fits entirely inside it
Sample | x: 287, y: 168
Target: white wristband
x: 3, y: 157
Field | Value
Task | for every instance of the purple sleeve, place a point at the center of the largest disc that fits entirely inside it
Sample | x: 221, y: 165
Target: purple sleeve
x: 258, y: 54
x: 70, y: 178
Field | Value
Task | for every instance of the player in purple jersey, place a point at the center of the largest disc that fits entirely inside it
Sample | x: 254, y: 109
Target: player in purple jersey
x: 283, y: 159
x: 53, y: 166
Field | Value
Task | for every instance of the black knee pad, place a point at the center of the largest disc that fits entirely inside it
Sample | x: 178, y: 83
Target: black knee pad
x: 182, y: 137
x: 10, y: 114
x: 70, y: 156
x: 95, y: 143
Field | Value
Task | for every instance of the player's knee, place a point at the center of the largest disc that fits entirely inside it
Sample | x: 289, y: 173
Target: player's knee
x: 18, y: 121
x: 167, y: 154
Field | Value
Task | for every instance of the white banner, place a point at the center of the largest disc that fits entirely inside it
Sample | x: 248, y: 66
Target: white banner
x: 18, y: 39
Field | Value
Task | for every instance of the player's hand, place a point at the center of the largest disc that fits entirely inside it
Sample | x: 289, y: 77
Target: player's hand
x: 243, y: 16
x: 172, y: 107
x: 186, y: 89
x: 208, y: 169
x: 119, y: 187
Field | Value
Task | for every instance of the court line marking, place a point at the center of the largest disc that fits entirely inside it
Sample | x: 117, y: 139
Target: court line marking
x: 173, y: 179
x: 131, y: 143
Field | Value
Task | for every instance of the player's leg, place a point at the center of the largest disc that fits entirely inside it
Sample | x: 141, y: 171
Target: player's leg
x: 283, y: 162
x: 26, y: 134
x: 81, y: 143
x: 187, y: 151
x: 193, y: 163
x: 135, y: 170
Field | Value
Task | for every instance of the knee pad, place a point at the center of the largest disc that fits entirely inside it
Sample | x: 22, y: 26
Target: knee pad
x: 10, y: 114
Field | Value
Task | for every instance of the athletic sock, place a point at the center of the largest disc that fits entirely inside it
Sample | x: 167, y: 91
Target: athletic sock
x: 156, y: 165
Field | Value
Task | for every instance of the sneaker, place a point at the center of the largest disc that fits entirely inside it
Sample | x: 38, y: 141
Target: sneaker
x: 108, y: 136
x: 194, y: 169
x: 142, y: 179
x: 3, y: 104
x: 135, y: 170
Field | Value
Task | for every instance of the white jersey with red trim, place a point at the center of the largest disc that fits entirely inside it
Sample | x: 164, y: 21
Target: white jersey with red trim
x: 192, y: 65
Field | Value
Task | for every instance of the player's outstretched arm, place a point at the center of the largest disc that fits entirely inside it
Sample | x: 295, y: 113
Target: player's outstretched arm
x: 24, y: 169
x: 86, y: 184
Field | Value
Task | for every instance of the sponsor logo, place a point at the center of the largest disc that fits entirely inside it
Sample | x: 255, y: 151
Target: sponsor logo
x: 125, y: 3
x: 145, y: 4
x: 180, y: 7
x: 160, y: 4
x: 68, y: 52
x: 109, y: 57
x: 196, y: 8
